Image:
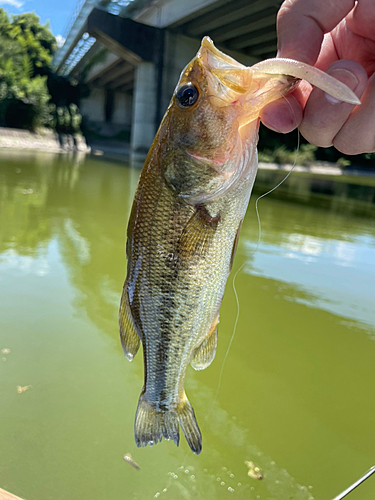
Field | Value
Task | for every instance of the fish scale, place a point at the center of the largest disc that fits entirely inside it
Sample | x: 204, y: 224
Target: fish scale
x: 191, y: 198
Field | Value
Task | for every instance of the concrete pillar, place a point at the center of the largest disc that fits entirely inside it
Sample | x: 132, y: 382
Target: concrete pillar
x: 144, y: 109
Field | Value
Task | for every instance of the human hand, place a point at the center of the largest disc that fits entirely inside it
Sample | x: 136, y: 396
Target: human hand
x: 338, y: 37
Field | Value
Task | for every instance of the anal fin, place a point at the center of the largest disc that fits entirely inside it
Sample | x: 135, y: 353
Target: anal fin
x: 129, y: 337
x: 205, y: 353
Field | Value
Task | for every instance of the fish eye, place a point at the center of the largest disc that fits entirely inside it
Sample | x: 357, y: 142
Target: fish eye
x: 187, y: 95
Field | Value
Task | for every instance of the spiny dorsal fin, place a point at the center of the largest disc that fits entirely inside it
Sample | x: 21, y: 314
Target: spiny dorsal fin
x: 129, y: 337
x: 198, y: 232
x: 205, y: 353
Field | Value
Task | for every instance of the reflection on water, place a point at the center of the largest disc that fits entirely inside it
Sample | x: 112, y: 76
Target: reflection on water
x: 335, y: 269
x: 296, y: 394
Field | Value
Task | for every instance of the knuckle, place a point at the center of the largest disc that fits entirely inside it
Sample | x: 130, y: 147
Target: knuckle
x: 353, y: 145
x: 285, y: 8
x: 283, y: 13
x: 312, y: 135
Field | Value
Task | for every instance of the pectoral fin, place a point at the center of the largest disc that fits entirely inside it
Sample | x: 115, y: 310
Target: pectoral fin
x: 198, y: 233
x: 205, y: 353
x: 129, y: 337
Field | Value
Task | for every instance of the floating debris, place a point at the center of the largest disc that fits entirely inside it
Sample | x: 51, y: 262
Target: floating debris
x: 133, y: 463
x: 5, y: 350
x: 21, y: 389
x: 254, y: 470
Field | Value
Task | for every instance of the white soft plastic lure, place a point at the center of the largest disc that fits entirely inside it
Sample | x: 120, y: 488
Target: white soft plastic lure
x: 312, y: 75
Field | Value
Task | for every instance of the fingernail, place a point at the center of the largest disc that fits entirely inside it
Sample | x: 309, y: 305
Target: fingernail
x: 345, y: 76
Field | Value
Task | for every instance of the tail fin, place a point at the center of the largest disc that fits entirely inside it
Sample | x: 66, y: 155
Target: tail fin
x: 152, y: 424
x: 189, y: 426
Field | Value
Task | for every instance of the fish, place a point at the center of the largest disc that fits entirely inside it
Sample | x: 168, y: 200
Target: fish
x: 184, y: 226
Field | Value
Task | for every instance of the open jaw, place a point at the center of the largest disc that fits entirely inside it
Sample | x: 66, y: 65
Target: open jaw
x: 280, y: 75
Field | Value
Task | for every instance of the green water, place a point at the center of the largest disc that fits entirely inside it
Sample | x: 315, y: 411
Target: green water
x: 297, y: 391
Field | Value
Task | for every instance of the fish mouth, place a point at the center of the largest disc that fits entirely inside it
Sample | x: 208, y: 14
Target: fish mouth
x: 233, y: 75
x: 213, y: 57
x: 233, y: 83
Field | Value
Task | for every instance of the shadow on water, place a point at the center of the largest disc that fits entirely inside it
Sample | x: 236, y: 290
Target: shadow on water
x: 295, y: 392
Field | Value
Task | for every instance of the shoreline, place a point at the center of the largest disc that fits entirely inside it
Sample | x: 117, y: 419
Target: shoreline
x: 47, y: 141
x: 50, y: 142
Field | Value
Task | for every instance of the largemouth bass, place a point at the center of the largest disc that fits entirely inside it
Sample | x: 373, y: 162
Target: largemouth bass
x: 185, y: 222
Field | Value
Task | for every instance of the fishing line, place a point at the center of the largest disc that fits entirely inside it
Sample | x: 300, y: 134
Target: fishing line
x: 273, y: 189
x: 255, y: 250
x: 234, y: 330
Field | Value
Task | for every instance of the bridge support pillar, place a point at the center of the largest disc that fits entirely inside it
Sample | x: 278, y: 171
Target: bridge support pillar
x: 144, y: 109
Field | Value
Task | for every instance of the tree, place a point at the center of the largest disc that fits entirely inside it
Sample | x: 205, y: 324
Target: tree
x: 36, y: 40
x: 26, y: 50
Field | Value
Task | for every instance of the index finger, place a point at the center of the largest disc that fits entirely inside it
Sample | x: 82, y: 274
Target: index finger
x: 301, y: 25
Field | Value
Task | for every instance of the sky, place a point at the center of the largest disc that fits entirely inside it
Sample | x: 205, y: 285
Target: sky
x: 57, y: 12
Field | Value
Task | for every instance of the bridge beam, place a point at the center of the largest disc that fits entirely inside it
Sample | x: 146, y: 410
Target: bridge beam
x: 134, y: 42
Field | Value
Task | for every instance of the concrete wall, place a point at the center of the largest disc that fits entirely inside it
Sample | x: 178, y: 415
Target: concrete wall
x: 105, y: 61
x: 93, y: 111
x: 93, y: 107
x: 179, y: 50
x: 122, y: 114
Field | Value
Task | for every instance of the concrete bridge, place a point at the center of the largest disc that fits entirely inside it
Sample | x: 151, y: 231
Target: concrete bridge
x: 132, y: 52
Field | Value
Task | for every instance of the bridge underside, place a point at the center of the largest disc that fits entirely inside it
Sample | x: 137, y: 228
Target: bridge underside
x: 143, y: 62
x: 240, y: 25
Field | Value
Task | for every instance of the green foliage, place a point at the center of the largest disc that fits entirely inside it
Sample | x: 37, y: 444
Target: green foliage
x: 25, y: 53
x: 282, y: 155
x: 29, y: 91
x: 343, y: 162
x: 36, y: 41
x: 281, y: 148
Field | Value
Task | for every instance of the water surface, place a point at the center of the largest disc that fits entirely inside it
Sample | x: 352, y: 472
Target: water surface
x: 297, y: 391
